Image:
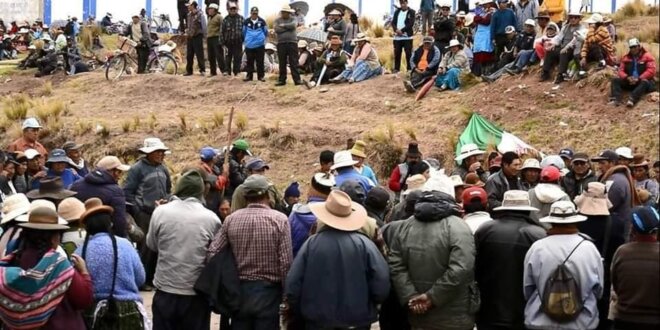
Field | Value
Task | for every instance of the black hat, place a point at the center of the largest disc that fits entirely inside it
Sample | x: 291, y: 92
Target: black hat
x: 645, y: 219
x: 413, y: 149
x: 378, y: 198
x: 580, y: 156
x: 608, y: 155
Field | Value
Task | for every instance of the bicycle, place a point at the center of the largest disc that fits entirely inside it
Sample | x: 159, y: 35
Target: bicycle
x: 160, y: 60
x: 160, y: 22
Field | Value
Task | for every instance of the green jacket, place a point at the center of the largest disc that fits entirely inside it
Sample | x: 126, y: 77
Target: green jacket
x: 335, y: 61
x: 433, y: 253
x: 213, y: 27
x: 238, y: 199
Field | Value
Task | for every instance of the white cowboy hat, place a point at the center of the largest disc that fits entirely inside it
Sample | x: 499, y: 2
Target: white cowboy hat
x: 14, y: 206
x: 334, y: 12
x: 516, y: 200
x: 454, y: 43
x: 343, y: 159
x: 624, y: 152
x: 563, y: 212
x: 302, y: 44
x: 153, y: 144
x: 270, y: 46
x: 531, y: 163
x: 595, y: 18
x: 361, y: 37
x: 414, y: 182
x: 460, y: 14
x: 530, y: 21
x: 469, y: 19
x: 287, y: 9
x: 575, y: 14
x: 458, y: 182
x: 47, y: 38
x: 469, y: 149
x: 339, y: 212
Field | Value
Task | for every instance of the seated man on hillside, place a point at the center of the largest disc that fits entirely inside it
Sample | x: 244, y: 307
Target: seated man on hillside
x: 636, y: 73
x: 507, y: 56
x: 334, y: 59
x: 597, y: 45
x: 424, y: 64
x: 524, y: 48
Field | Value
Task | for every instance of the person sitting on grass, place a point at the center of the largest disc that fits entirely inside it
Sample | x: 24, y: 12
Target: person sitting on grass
x: 424, y: 64
x: 636, y: 72
x: 524, y: 48
x: 305, y: 58
x: 333, y: 59
x: 597, y: 45
x: 452, y: 65
x: 363, y: 65
x: 508, y: 46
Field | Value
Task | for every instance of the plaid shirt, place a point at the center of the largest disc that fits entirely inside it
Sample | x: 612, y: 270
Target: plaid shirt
x: 260, y: 239
x: 232, y: 29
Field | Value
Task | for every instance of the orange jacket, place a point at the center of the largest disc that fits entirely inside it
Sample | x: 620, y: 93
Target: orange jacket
x: 555, y: 8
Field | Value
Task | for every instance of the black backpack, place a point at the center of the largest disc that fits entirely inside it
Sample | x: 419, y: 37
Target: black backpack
x: 68, y: 28
x: 562, y: 297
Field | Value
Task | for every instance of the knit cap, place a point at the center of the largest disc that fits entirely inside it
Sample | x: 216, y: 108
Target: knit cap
x: 190, y: 184
x: 292, y: 190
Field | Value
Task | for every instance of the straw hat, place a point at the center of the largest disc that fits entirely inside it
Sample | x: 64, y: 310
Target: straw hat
x: 335, y: 12
x: 287, y: 9
x: 361, y: 37
x: 14, y: 206
x: 302, y: 44
x: 414, y: 182
x: 469, y: 149
x: 41, y: 204
x: 595, y: 18
x: 454, y: 43
x: 593, y: 201
x: 469, y: 19
x: 52, y: 188
x: 94, y: 206
x: 563, y: 212
x: 339, y: 212
x: 70, y: 209
x: 343, y: 159
x: 624, y: 152
x: 153, y: 144
x: 531, y: 163
x: 458, y: 182
x: 359, y: 149
x: 516, y: 200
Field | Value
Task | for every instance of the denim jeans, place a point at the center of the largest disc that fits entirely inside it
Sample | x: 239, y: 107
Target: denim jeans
x: 260, y: 306
x: 524, y: 57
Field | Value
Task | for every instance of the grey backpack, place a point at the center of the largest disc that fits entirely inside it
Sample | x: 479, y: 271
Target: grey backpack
x: 562, y: 297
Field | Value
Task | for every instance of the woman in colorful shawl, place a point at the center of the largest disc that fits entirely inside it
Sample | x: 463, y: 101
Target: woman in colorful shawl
x: 116, y: 271
x: 39, y: 288
x: 483, y: 44
x: 363, y: 65
x: 453, y: 63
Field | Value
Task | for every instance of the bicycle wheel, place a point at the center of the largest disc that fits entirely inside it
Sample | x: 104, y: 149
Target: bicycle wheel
x: 115, y: 68
x: 167, y: 26
x: 163, y: 63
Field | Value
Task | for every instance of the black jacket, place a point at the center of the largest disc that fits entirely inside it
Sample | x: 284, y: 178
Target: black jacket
x: 444, y: 30
x: 410, y: 21
x: 574, y: 187
x: 100, y: 183
x: 219, y: 283
x: 501, y: 248
x: 497, y: 185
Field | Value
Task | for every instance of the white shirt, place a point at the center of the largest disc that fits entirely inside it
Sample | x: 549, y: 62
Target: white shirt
x: 476, y: 219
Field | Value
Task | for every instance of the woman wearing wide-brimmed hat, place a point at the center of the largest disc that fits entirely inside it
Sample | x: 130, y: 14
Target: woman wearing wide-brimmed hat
x: 578, y: 254
x: 640, y: 171
x: 39, y: 287
x: 116, y: 271
x: 453, y: 63
x: 363, y: 65
x: 12, y: 207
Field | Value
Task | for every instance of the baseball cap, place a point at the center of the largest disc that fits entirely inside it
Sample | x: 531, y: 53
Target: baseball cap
x: 31, y: 123
x: 241, y: 144
x: 254, y: 9
x: 111, y: 163
x: 214, y: 6
x: 608, y: 155
x: 428, y: 39
x: 645, y: 219
x: 550, y: 174
x: 624, y: 152
x: 580, y: 156
x: 634, y: 42
x: 566, y: 153
x: 510, y: 29
x: 472, y: 193
x: 70, y: 145
x: 255, y: 185
x: 31, y: 154
x: 207, y: 153
x: 256, y: 164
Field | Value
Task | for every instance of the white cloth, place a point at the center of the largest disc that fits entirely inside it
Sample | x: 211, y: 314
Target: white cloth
x: 476, y: 219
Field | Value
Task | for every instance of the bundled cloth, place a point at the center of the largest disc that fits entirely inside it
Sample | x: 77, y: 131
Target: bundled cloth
x: 29, y: 297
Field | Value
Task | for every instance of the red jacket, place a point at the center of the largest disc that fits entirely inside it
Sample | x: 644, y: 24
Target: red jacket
x: 645, y: 65
x: 395, y: 180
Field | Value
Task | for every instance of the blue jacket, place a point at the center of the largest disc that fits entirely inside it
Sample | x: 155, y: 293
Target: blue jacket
x: 350, y: 173
x: 427, y: 6
x: 337, y: 280
x: 500, y: 20
x: 100, y: 183
x: 255, y: 34
x: 301, y: 221
x: 68, y: 178
x: 99, y: 257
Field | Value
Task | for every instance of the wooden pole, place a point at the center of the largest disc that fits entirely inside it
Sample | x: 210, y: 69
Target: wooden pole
x: 226, y: 162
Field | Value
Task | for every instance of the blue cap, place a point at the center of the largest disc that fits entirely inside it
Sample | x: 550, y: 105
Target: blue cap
x: 566, y: 153
x: 292, y: 190
x: 645, y: 219
x: 207, y: 153
x: 256, y: 164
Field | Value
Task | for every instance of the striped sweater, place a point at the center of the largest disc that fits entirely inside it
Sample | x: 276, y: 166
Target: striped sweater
x: 599, y: 36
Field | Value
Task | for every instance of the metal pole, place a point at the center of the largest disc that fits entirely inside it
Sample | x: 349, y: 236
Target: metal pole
x: 47, y: 12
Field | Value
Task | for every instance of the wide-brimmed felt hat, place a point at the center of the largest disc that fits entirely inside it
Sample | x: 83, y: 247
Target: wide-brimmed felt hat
x: 14, y: 206
x: 543, y: 14
x: 153, y: 144
x: 302, y: 44
x: 563, y: 212
x: 41, y: 203
x: 287, y: 9
x: 359, y: 149
x: 458, y: 182
x: 516, y: 200
x: 468, y: 150
x: 593, y: 200
x: 70, y: 209
x: 454, y: 43
x: 531, y: 163
x: 94, y: 206
x: 414, y: 182
x: 57, y: 156
x: 639, y: 161
x: 339, y: 212
x: 52, y: 188
x: 362, y: 37
x: 343, y: 159
x: 256, y: 164
x: 43, y: 218
x: 71, y: 145
x: 469, y: 19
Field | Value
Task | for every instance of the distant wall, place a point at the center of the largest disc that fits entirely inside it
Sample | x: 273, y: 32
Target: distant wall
x: 20, y: 10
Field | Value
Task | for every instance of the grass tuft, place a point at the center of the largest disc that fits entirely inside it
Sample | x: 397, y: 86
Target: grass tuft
x: 218, y: 119
x: 16, y: 106
x: 126, y: 126
x: 136, y: 123
x: 81, y: 127
x: 46, y: 111
x: 183, y: 122
x: 241, y: 121
x: 633, y: 9
x: 365, y: 23
x: 378, y: 31
x: 152, y: 122
x: 47, y: 89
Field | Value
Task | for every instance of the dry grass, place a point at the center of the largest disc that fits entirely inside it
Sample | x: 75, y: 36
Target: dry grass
x: 136, y: 123
x: 633, y: 9
x: 52, y: 110
x: 152, y: 122
x: 270, y: 20
x: 383, y: 149
x: 218, y: 119
x: 183, y: 122
x: 241, y: 121
x: 81, y: 127
x: 87, y: 34
x: 365, y: 23
x: 16, y: 106
x: 47, y: 89
x: 378, y: 31
x: 126, y: 126
x: 102, y: 129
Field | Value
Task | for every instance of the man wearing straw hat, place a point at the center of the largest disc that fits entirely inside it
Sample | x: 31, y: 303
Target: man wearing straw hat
x: 501, y: 248
x: 322, y: 259
x: 287, y: 43
x: 579, y: 256
x: 468, y: 162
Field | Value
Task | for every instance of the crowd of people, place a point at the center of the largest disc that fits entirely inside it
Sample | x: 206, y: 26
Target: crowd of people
x: 503, y: 241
